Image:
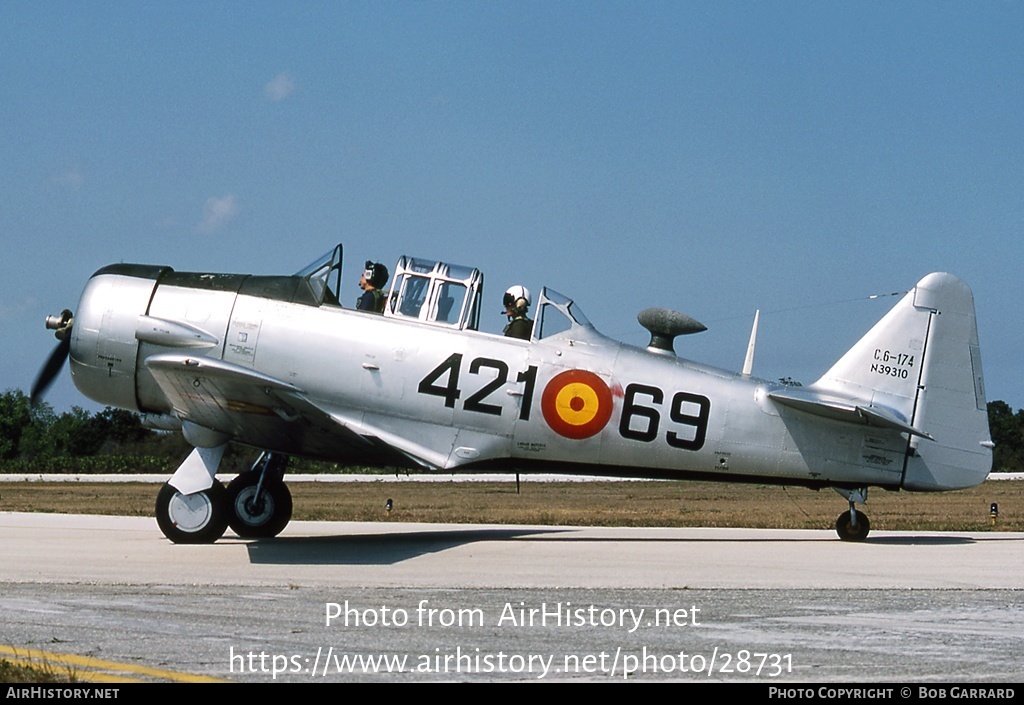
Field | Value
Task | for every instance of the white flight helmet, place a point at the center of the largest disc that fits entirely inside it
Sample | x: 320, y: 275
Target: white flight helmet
x: 517, y: 297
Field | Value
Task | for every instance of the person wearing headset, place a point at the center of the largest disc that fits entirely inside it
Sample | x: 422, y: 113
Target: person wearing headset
x: 374, y: 277
x: 516, y: 302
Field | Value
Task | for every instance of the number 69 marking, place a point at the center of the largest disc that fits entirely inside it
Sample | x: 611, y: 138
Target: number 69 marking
x: 647, y: 428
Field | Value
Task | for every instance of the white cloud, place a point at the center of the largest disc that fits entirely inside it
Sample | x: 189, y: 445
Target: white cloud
x: 279, y: 87
x: 218, y: 212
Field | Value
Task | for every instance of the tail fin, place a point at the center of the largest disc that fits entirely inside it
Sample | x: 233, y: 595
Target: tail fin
x: 922, y: 364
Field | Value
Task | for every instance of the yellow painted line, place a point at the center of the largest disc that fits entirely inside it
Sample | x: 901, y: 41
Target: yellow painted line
x: 71, y: 673
x: 32, y: 657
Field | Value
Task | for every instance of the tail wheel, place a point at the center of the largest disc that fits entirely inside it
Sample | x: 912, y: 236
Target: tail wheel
x: 846, y: 530
x: 201, y: 517
x: 262, y: 515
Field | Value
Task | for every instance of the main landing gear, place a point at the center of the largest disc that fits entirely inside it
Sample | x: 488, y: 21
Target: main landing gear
x: 194, y: 518
x: 853, y: 525
x: 260, y: 505
x: 256, y: 504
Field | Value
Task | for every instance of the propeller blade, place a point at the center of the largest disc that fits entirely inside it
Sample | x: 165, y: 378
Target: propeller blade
x: 50, y: 370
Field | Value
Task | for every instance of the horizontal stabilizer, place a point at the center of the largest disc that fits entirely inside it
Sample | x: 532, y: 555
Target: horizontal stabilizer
x: 845, y: 410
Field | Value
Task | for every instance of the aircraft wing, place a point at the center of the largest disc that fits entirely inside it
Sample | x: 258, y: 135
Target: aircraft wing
x: 262, y: 411
x: 429, y: 446
x: 387, y: 444
x: 847, y: 410
x: 258, y: 410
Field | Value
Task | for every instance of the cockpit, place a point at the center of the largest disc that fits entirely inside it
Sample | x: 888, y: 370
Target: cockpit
x: 443, y: 294
x: 324, y: 277
x: 559, y: 315
x: 435, y: 292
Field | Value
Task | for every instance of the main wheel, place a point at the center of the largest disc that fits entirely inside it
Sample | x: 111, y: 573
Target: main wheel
x: 262, y: 517
x: 846, y: 530
x: 195, y: 518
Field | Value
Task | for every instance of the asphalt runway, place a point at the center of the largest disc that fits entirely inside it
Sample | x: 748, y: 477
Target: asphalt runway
x: 415, y: 602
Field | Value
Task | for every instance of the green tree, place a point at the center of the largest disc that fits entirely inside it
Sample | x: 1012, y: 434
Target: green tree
x: 36, y: 439
x: 119, y: 428
x: 75, y: 433
x: 33, y: 431
x: 18, y: 419
x: 1007, y: 429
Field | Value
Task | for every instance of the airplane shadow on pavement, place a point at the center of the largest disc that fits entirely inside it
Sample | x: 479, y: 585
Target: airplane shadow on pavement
x: 373, y: 549
x: 391, y: 548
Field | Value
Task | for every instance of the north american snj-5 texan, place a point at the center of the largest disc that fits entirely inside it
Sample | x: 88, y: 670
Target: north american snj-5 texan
x: 276, y: 363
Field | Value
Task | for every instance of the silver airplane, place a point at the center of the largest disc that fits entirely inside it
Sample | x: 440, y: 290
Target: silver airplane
x: 276, y: 363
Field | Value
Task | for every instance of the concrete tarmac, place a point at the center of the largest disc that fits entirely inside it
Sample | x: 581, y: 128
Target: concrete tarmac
x: 416, y: 602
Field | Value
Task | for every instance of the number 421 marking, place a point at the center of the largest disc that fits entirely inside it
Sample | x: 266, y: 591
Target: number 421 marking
x: 448, y: 389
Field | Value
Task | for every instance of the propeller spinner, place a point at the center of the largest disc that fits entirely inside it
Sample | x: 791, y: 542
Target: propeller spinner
x: 62, y: 325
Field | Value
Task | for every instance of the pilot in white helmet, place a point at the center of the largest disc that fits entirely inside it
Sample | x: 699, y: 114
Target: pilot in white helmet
x: 516, y: 302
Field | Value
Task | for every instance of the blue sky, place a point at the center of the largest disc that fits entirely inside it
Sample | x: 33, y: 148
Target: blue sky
x: 714, y: 158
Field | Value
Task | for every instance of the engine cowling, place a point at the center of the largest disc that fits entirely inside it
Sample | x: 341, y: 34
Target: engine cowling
x: 104, y: 348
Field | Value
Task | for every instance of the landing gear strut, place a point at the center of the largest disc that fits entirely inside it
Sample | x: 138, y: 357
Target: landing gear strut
x: 853, y: 525
x: 259, y: 504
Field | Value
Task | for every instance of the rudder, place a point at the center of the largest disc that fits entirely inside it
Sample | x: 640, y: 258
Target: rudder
x: 951, y: 402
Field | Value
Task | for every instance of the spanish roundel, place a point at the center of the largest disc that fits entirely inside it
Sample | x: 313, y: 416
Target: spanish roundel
x: 576, y: 404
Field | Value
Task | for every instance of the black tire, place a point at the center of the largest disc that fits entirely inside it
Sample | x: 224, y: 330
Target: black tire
x: 196, y: 518
x: 262, y: 521
x: 847, y: 532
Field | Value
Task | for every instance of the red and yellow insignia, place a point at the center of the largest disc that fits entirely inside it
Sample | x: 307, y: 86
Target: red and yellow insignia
x: 576, y: 404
